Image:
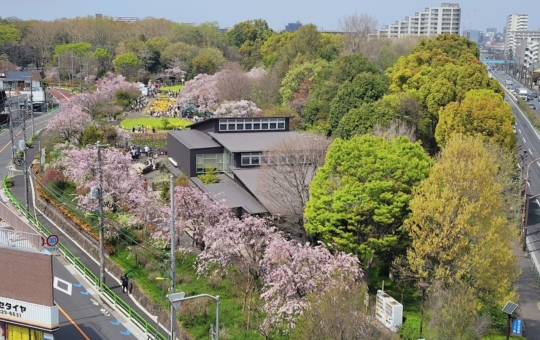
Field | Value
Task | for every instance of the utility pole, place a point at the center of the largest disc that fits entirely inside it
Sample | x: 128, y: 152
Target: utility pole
x: 173, y: 262
x: 32, y: 102
x: 11, y: 128
x: 98, y: 145
x: 25, y: 168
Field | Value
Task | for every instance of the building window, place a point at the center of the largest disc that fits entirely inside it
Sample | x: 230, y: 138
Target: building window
x: 211, y: 160
x: 252, y: 124
x: 251, y: 158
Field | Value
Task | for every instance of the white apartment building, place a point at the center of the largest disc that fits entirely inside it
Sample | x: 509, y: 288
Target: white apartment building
x: 514, y: 23
x: 429, y: 23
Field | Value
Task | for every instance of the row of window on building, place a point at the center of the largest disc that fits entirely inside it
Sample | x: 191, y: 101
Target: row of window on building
x: 254, y: 124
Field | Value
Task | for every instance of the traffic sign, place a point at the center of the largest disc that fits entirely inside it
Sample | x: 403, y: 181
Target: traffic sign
x: 52, y: 240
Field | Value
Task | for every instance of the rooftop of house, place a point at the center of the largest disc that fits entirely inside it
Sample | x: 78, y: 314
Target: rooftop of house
x: 22, y: 75
x: 251, y: 141
x: 232, y: 194
x: 194, y: 139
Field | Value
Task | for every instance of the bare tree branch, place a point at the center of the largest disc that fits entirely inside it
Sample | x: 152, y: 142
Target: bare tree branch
x: 287, y: 169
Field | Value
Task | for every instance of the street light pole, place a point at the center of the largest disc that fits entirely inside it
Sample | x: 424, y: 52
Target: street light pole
x: 177, y: 298
x: 173, y: 261
x: 423, y: 286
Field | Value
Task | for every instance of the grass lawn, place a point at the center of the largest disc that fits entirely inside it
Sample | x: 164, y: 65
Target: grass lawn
x: 198, y: 314
x: 174, y: 88
x: 154, y: 123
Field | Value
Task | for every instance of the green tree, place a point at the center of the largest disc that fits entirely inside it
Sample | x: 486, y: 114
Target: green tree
x: 327, y: 80
x: 458, y: 226
x: 451, y: 44
x: 360, y: 197
x: 481, y: 112
x: 127, y: 64
x: 104, y: 59
x: 250, y: 30
x: 9, y: 34
x: 204, y: 63
x: 365, y: 88
x: 296, y: 77
x: 79, y: 49
x: 363, y: 119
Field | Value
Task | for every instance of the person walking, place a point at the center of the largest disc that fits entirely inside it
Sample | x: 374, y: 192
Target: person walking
x: 125, y: 282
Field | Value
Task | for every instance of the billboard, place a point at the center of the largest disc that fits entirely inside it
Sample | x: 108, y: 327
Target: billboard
x: 15, y: 332
x: 29, y: 314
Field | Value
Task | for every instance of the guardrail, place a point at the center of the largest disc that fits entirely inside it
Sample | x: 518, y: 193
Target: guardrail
x: 144, y: 325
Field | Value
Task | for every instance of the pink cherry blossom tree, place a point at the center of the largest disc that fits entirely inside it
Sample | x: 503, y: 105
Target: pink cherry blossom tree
x: 122, y: 188
x: 195, y: 212
x: 292, y: 271
x: 70, y: 122
x: 240, y: 243
x: 242, y: 108
x: 201, y: 91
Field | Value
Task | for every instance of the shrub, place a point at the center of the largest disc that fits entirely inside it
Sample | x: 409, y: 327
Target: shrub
x: 410, y: 330
x: 210, y: 176
x: 8, y: 182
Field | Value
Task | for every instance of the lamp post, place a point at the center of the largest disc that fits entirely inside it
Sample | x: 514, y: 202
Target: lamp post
x: 423, y: 286
x: 177, y: 298
x: 99, y: 195
x: 523, y: 241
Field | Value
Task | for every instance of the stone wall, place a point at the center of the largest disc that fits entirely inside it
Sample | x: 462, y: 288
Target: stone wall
x: 91, y: 246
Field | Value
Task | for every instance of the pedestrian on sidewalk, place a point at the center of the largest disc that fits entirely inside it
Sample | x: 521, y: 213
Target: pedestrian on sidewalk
x: 125, y: 282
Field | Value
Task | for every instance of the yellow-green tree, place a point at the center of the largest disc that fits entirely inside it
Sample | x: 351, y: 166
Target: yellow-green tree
x: 482, y: 112
x: 458, y: 226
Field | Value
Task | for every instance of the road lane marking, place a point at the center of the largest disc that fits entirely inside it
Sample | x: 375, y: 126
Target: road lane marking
x: 72, y: 322
x: 537, y: 164
x: 519, y: 130
x: 537, y: 202
x: 519, y: 166
x: 524, y: 141
x: 529, y: 184
x: 58, y: 280
x: 18, y: 133
x: 530, y: 151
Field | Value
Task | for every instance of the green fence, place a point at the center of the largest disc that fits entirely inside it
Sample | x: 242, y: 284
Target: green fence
x: 149, y: 329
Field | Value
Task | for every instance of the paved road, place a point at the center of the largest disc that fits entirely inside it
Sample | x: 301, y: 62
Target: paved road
x: 527, y: 284
x: 82, y: 316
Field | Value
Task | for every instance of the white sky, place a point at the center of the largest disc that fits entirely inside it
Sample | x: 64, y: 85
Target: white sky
x: 324, y: 14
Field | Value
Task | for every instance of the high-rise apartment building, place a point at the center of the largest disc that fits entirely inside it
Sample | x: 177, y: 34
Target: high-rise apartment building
x: 514, y: 23
x: 429, y: 23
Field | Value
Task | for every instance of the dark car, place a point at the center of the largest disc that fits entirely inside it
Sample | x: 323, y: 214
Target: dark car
x: 534, y: 94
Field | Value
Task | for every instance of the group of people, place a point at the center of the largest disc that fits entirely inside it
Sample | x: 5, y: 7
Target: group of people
x: 139, y: 104
x: 142, y: 129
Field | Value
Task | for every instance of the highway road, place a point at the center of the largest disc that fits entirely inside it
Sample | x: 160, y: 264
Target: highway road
x: 527, y: 285
x: 82, y: 315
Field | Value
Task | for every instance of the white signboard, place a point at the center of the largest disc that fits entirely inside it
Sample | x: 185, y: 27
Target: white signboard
x: 30, y: 314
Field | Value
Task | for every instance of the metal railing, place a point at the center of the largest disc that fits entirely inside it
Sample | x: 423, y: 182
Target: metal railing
x: 20, y: 240
x: 144, y: 325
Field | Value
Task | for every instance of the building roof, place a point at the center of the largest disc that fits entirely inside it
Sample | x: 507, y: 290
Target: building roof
x: 250, y: 177
x: 23, y: 75
x: 251, y: 141
x: 232, y: 194
x: 194, y: 139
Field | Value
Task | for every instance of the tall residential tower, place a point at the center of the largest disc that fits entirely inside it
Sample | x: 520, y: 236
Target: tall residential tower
x: 429, y: 23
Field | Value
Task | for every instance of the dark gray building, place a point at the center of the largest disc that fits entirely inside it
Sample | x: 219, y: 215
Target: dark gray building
x: 293, y: 26
x: 234, y: 148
